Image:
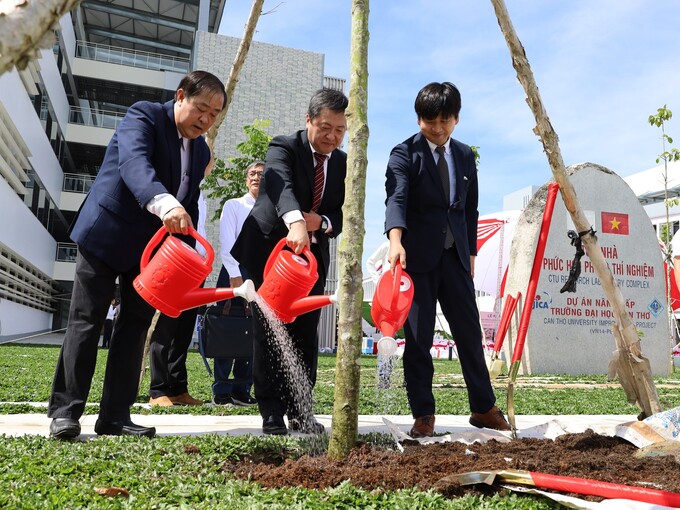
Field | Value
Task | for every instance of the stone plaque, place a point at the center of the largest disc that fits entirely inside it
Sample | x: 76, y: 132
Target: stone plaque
x: 571, y: 333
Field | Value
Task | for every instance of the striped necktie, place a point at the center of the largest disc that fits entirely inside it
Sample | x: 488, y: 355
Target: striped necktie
x: 318, y: 180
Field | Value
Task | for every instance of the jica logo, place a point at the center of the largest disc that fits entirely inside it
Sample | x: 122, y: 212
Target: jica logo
x: 542, y: 300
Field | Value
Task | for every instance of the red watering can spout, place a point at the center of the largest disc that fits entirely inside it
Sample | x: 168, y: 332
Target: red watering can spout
x: 309, y: 303
x: 170, y: 280
x: 288, y: 280
x: 200, y: 297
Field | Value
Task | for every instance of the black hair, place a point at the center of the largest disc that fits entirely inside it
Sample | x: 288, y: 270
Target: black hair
x: 332, y: 99
x: 436, y: 99
x: 197, y: 82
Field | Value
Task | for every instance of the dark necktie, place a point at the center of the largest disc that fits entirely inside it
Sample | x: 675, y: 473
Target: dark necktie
x: 443, y: 169
x: 318, y: 180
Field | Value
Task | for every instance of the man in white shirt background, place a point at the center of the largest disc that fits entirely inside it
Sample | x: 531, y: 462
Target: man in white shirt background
x: 234, y: 213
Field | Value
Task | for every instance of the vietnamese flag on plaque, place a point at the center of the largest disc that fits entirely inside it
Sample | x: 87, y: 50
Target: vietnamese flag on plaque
x: 615, y: 223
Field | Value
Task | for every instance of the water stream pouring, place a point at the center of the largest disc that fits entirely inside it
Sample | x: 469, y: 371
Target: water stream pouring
x: 171, y: 280
x: 391, y: 304
x: 288, y: 279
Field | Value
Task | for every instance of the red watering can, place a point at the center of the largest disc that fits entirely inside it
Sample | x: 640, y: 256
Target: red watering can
x: 391, y: 304
x: 288, y: 279
x: 171, y: 281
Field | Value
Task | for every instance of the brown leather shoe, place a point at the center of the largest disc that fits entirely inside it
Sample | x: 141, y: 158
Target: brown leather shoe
x: 161, y: 401
x: 423, y: 427
x: 184, y: 399
x: 492, y: 419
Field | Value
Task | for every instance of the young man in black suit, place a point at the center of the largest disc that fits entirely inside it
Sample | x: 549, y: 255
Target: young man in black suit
x: 288, y: 207
x: 431, y: 221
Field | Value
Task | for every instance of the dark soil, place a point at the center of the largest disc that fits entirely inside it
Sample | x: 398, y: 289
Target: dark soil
x: 585, y: 455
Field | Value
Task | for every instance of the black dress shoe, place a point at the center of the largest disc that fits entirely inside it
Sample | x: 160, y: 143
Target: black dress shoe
x: 308, y: 426
x: 243, y: 399
x: 64, y: 428
x: 122, y: 428
x: 274, y: 425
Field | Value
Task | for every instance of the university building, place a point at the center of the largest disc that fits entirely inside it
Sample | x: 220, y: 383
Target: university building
x: 58, y: 114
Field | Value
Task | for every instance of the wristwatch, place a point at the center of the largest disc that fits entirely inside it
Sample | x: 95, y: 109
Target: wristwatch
x: 324, y: 224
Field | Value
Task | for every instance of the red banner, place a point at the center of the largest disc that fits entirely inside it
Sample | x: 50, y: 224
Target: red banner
x: 615, y: 223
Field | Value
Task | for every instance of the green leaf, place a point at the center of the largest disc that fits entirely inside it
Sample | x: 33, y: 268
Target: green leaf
x: 227, y: 181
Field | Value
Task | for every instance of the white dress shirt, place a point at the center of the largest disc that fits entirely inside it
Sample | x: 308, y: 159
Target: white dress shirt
x: 162, y: 203
x: 234, y: 214
x: 200, y: 228
x: 296, y: 215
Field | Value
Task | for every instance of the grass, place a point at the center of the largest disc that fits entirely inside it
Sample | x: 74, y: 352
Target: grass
x: 186, y: 472
x: 32, y: 368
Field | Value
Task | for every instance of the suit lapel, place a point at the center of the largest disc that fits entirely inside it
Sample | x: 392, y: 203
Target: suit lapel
x: 460, y: 173
x: 307, y: 163
x: 332, y: 179
x: 173, y: 142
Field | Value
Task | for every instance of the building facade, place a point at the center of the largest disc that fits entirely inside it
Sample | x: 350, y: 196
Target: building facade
x: 58, y: 115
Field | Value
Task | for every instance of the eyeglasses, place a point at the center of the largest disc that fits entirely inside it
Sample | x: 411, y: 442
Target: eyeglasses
x: 252, y: 175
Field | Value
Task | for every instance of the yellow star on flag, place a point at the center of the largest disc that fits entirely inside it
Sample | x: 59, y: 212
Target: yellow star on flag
x: 614, y: 223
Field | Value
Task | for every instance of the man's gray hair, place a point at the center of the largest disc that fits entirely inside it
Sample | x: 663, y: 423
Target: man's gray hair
x: 259, y: 162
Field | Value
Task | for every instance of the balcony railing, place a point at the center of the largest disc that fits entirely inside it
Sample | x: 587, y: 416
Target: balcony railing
x: 77, y: 183
x: 96, y: 118
x: 133, y: 58
x: 67, y: 252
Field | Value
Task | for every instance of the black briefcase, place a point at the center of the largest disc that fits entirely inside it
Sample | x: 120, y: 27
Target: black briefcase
x: 226, y: 336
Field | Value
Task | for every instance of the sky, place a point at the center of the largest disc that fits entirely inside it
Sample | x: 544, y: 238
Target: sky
x: 602, y: 67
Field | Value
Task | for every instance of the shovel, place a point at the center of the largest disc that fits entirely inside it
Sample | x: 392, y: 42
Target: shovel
x: 495, y: 363
x: 582, y: 486
x: 529, y: 302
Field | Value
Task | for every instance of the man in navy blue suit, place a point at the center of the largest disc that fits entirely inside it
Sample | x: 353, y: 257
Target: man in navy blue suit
x: 431, y: 221
x: 149, y: 178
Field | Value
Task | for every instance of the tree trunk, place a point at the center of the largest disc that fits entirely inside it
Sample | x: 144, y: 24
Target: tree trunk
x: 627, y: 342
x: 26, y: 26
x: 147, y: 345
x: 345, y: 423
x: 239, y: 60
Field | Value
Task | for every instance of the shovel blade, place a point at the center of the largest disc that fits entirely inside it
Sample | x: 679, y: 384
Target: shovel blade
x: 472, y: 477
x: 495, y: 368
x: 489, y: 477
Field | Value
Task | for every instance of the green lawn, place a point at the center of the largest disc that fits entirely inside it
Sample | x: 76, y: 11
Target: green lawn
x: 37, y: 472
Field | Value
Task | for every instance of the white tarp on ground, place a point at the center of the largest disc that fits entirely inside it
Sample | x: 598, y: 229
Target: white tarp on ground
x: 663, y: 426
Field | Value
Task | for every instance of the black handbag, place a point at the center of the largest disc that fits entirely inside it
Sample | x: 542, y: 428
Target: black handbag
x: 226, y: 336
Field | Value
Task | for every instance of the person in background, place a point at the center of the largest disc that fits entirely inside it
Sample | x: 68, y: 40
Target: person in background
x: 148, y: 179
x: 234, y: 213
x: 170, y: 341
x: 108, y: 323
x: 675, y: 255
x: 301, y: 196
x: 378, y: 263
x: 168, y: 348
x: 431, y: 223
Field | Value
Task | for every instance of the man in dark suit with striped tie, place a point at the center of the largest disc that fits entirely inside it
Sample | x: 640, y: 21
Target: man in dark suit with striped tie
x: 301, y: 196
x: 431, y: 222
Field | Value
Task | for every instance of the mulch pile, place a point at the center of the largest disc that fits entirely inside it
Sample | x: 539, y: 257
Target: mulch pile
x: 585, y: 455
